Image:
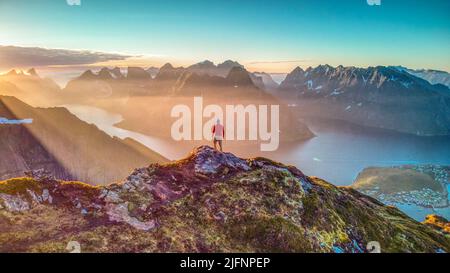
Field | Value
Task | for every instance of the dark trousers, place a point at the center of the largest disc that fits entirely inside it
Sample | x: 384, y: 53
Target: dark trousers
x: 218, y: 142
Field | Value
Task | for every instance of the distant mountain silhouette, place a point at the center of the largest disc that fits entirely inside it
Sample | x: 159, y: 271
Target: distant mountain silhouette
x: 165, y: 80
x: 153, y: 71
x: 209, y: 68
x: 138, y: 73
x: 169, y: 73
x: 30, y: 87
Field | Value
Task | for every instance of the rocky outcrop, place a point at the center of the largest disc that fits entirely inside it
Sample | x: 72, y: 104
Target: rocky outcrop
x: 207, y: 202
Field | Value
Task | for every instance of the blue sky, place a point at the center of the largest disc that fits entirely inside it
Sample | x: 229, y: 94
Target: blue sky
x: 263, y: 35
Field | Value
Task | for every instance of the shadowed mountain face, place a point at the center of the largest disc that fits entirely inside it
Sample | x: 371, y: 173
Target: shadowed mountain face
x: 62, y: 144
x: 207, y: 202
x: 381, y: 97
x: 21, y: 151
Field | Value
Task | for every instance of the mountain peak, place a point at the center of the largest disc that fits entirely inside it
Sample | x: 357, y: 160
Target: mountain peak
x: 105, y: 74
x: 167, y: 66
x: 32, y: 72
x: 12, y: 72
x: 116, y: 72
x: 137, y: 73
x: 324, y: 68
x: 206, y: 62
x: 239, y: 76
x: 169, y: 72
x: 87, y: 75
x: 229, y: 64
x: 297, y: 70
x: 209, y: 161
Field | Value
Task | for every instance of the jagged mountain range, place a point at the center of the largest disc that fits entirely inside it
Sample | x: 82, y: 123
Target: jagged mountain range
x: 167, y: 73
x: 175, y: 85
x: 390, y: 98
x: 382, y: 97
x: 260, y: 79
x: 208, y: 202
x: 136, y: 89
x: 345, y: 79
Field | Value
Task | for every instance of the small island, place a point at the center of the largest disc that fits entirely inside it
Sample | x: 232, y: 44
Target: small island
x: 417, y: 190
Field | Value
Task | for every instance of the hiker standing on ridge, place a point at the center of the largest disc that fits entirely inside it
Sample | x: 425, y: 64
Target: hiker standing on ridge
x: 218, y: 132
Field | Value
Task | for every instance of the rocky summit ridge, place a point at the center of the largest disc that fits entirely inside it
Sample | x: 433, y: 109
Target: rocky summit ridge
x: 207, y: 202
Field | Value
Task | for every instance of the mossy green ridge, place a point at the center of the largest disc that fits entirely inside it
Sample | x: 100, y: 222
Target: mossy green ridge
x: 207, y: 202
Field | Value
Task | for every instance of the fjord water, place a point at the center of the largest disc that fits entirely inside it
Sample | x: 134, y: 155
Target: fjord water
x: 341, y: 150
x: 337, y: 153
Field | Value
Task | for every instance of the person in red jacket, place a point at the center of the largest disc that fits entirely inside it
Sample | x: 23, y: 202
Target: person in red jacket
x: 218, y: 131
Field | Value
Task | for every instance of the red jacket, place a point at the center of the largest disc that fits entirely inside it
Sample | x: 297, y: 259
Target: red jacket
x: 218, y: 129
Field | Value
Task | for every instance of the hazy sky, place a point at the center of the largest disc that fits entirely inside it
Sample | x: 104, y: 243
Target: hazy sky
x: 274, y: 36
